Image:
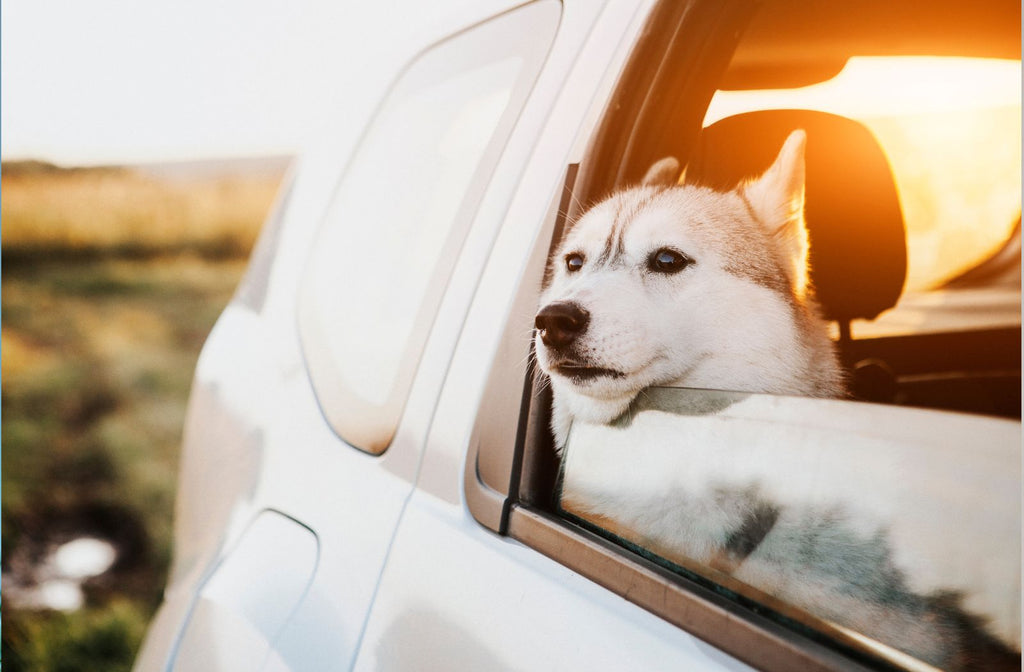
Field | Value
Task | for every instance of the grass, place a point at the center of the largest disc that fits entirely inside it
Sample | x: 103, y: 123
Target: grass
x: 51, y: 211
x: 94, y: 640
x: 100, y: 339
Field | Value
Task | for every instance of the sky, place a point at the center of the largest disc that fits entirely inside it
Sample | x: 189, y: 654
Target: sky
x: 88, y: 82
x: 85, y: 82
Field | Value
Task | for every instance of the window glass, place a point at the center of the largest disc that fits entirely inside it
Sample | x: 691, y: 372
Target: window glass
x: 395, y: 226
x: 866, y: 522
x: 951, y: 130
x: 383, y: 267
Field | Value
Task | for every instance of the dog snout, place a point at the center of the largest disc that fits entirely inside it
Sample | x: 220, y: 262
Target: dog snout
x: 561, y: 322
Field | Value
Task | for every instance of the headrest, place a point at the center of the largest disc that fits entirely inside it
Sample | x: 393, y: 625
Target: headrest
x: 854, y: 222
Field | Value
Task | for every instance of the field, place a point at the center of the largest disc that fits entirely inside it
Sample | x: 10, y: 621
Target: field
x: 112, y: 279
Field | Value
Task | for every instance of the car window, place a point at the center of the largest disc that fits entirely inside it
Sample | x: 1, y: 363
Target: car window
x: 766, y: 487
x: 397, y: 221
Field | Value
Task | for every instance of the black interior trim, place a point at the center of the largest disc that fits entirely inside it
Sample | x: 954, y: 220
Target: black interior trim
x: 672, y: 95
x: 975, y: 371
x: 959, y: 351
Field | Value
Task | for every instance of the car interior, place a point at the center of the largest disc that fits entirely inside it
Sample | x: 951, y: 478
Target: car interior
x: 854, y: 214
x: 859, y: 263
x: 954, y: 358
x: 859, y: 248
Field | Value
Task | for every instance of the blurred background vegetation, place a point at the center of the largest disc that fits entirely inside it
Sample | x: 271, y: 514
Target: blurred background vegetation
x: 112, y: 278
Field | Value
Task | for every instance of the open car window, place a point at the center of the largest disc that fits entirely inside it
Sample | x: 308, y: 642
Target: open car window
x: 785, y: 528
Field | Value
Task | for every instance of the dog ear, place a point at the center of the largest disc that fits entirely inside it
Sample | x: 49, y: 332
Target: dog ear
x: 663, y: 173
x: 777, y: 199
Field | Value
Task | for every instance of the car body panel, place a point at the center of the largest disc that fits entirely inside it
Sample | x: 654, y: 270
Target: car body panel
x: 470, y: 613
x: 254, y: 423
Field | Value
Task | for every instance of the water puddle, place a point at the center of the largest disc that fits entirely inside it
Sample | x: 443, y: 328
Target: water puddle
x: 56, y: 582
x: 84, y: 557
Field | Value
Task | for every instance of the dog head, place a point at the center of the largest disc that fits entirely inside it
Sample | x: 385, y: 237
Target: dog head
x: 661, y: 284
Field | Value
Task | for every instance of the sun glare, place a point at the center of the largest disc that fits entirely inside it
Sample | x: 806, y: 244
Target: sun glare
x: 951, y: 128
x: 890, y: 86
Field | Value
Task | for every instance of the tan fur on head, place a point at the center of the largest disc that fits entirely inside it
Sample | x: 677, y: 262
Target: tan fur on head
x: 664, y: 173
x: 777, y: 198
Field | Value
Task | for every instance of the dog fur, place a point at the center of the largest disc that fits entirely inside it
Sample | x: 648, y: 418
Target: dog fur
x: 739, y: 314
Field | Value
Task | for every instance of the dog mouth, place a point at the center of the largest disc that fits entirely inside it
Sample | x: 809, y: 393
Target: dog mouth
x: 578, y: 372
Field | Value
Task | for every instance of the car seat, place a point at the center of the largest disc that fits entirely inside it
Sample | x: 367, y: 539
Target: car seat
x: 854, y: 221
x: 858, y: 250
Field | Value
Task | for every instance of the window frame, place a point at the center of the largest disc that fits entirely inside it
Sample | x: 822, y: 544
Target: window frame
x: 689, y: 67
x: 509, y: 481
x: 510, y: 474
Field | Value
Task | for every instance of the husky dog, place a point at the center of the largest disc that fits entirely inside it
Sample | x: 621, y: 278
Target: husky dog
x: 683, y: 286
x: 669, y: 285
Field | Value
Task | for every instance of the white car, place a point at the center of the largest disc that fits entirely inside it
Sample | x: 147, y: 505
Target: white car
x: 368, y: 480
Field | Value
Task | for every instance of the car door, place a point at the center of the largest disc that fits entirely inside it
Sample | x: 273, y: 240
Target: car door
x: 491, y: 570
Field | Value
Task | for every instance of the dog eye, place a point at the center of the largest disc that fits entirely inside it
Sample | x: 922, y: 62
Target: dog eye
x: 668, y: 261
x: 573, y: 262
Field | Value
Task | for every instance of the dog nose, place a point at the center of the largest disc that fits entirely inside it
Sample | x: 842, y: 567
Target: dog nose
x: 561, y: 322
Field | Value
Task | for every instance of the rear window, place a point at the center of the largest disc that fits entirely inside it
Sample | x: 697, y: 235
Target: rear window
x: 391, y: 236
